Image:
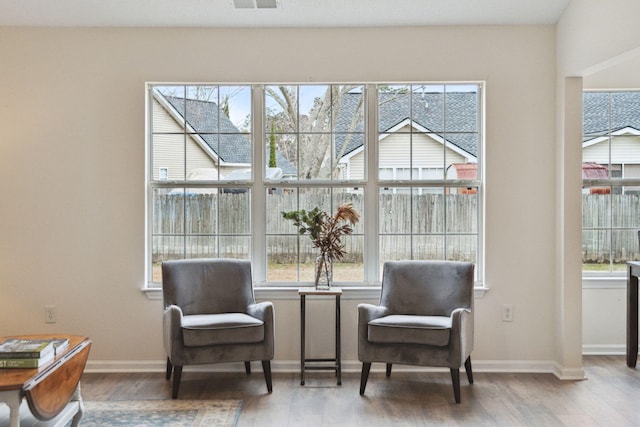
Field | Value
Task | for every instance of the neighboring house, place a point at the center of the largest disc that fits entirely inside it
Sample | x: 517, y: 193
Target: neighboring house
x: 214, y: 144
x: 592, y: 170
x: 622, y: 121
x: 414, y: 133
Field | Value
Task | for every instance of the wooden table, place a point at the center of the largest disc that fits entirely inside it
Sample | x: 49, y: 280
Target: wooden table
x: 633, y: 271
x: 52, y: 392
x: 335, y: 364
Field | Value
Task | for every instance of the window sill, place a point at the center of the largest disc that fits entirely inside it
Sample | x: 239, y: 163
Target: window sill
x: 604, y: 282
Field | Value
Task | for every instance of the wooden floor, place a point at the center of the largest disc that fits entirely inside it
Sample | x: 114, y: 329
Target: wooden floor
x: 609, y: 397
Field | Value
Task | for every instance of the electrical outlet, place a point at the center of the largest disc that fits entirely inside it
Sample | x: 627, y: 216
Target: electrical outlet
x: 507, y: 313
x: 50, y: 315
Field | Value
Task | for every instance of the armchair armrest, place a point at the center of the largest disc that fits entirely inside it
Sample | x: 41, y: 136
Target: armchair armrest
x: 172, y: 320
x: 264, y: 311
x: 261, y: 310
x: 462, y: 335
x: 366, y: 313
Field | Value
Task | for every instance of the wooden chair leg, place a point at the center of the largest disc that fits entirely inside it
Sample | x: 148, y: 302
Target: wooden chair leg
x: 467, y: 367
x: 247, y: 367
x: 388, y: 370
x: 366, y: 367
x: 266, y: 367
x: 169, y: 368
x: 455, y: 379
x: 177, y: 374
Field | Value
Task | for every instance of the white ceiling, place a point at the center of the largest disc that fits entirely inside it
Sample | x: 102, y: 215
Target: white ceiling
x: 291, y: 13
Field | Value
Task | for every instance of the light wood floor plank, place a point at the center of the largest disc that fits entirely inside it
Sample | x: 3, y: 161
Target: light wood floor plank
x: 609, y: 397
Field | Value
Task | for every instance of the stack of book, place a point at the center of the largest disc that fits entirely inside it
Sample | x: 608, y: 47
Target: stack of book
x: 30, y: 353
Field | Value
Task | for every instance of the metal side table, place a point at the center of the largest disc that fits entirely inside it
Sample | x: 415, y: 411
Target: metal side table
x: 319, y: 364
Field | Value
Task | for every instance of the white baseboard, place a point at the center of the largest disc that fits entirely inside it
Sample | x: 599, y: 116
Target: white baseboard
x: 604, y: 349
x: 289, y: 366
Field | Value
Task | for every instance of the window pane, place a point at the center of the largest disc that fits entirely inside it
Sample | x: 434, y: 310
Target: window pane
x: 428, y: 210
x: 625, y: 208
x: 596, y: 207
x: 596, y: 248
x: 395, y: 211
x: 394, y: 153
x: 351, y: 267
x: 462, y: 211
x: 314, y: 108
x: 281, y: 109
x: 355, y: 196
x: 348, y: 157
x: 394, y: 108
x: 393, y: 248
x: 282, y: 258
x: 235, y: 211
x: 461, y: 109
x: 165, y: 248
x: 290, y: 251
x: 201, y: 247
x: 595, y: 119
x: 430, y: 128
x: 286, y: 248
x: 315, y: 132
x: 169, y: 154
x: 428, y: 247
x: 235, y: 103
x: 314, y: 156
x: 235, y: 247
x: 462, y: 248
x: 201, y: 213
x: 168, y: 211
x: 168, y: 240
x: 624, y: 106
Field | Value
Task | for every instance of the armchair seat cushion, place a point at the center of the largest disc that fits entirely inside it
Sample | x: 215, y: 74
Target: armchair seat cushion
x: 227, y: 328
x: 410, y: 329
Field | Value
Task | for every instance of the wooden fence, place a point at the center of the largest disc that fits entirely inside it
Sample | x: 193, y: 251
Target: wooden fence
x: 219, y: 225
x: 227, y: 234
x: 610, y: 225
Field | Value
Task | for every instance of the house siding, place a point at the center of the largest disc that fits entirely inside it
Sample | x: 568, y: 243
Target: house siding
x: 396, y: 150
x: 168, y: 143
x: 625, y: 150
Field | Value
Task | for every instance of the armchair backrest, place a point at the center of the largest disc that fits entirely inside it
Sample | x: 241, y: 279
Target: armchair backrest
x: 426, y: 288
x: 208, y: 286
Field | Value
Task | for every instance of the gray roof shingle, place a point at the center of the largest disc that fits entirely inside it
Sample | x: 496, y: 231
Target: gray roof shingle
x: 597, y: 119
x: 219, y: 132
x: 453, y: 112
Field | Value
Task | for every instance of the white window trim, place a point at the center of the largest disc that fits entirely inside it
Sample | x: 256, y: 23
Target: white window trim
x: 369, y: 288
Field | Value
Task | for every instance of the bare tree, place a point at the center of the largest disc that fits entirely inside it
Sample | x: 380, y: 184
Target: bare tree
x: 313, y: 152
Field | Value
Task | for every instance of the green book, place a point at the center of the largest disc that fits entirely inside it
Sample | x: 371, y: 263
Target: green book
x: 16, y: 348
x: 26, y: 363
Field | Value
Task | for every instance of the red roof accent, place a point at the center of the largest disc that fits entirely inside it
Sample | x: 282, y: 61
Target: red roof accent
x: 466, y: 170
x: 592, y: 170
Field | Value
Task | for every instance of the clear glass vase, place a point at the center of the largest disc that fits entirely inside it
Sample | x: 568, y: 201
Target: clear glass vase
x: 324, y: 272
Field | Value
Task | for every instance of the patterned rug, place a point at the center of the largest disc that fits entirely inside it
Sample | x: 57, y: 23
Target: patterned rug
x: 161, y: 413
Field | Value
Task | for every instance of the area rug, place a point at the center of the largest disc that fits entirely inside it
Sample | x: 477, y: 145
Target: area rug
x: 161, y: 413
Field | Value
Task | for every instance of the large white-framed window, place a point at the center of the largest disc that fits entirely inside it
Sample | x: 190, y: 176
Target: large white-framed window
x: 611, y: 182
x: 224, y: 162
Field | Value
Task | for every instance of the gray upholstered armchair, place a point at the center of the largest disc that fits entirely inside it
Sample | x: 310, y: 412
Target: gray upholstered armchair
x: 425, y: 318
x: 210, y: 316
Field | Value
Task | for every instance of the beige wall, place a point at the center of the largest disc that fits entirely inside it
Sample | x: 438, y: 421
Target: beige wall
x: 72, y: 155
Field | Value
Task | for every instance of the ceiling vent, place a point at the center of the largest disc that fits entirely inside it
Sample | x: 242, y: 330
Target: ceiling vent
x: 256, y: 4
